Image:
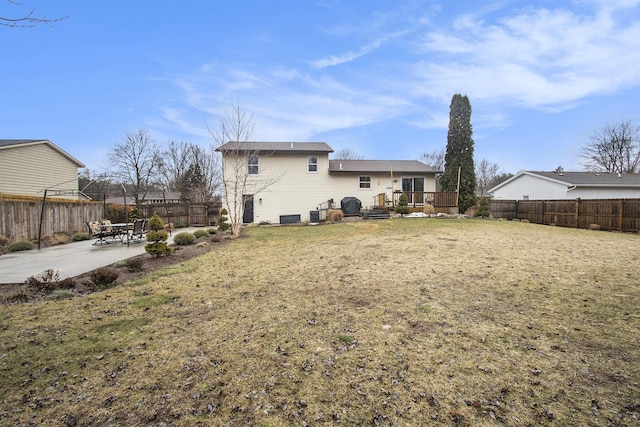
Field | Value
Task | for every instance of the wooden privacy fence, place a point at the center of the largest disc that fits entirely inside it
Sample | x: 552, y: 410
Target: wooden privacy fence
x: 608, y: 214
x: 182, y: 214
x: 20, y: 216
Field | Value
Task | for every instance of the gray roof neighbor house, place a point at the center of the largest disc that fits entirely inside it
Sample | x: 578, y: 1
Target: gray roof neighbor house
x: 540, y: 185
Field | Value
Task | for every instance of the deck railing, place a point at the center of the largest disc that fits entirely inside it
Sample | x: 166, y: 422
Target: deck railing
x: 438, y: 199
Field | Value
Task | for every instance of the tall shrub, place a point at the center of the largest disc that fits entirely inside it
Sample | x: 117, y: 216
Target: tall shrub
x: 458, y: 159
x: 222, y: 221
x: 403, y: 205
x: 157, y: 237
x: 483, y: 207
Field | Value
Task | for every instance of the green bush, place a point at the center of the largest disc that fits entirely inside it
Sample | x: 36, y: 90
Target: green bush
x: 20, y: 246
x: 104, y: 277
x: 483, y: 207
x: 79, y: 237
x: 212, y: 230
x: 184, y: 238
x: 403, y: 205
x: 157, y: 237
x: 179, y: 224
x: 222, y: 221
x: 200, y: 233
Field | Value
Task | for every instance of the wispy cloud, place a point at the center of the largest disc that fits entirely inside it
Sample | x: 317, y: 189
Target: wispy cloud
x: 539, y: 58
x: 334, y: 60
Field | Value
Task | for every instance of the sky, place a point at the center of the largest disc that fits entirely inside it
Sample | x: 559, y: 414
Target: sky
x: 374, y: 76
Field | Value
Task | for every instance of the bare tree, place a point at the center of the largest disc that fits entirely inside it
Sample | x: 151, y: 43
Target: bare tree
x: 486, y: 173
x: 347, y: 154
x: 434, y: 159
x: 27, y: 20
x: 96, y: 185
x: 191, y: 170
x: 241, y: 160
x: 135, y: 163
x: 614, y: 149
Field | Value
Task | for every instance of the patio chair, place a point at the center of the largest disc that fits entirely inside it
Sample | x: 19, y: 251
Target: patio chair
x: 137, y: 234
x: 97, y: 232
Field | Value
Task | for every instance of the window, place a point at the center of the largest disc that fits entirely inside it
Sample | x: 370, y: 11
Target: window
x: 253, y: 165
x: 525, y: 197
x: 365, y: 182
x: 312, y: 164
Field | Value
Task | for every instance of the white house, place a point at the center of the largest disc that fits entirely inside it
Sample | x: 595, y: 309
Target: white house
x: 530, y: 185
x: 286, y: 181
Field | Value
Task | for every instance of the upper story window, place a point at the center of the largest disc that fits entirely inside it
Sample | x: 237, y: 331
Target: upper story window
x: 312, y: 164
x: 365, y: 182
x: 253, y: 165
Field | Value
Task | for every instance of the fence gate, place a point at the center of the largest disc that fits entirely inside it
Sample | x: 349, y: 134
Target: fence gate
x: 198, y: 215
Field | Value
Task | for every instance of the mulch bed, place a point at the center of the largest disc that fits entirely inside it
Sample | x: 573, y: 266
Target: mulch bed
x: 82, y: 284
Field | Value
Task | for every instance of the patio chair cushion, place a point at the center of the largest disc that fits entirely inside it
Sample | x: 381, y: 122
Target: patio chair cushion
x: 94, y: 226
x: 106, y: 222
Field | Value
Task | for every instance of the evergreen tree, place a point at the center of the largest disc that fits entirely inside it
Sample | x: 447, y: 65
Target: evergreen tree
x: 459, y: 154
x: 403, y: 205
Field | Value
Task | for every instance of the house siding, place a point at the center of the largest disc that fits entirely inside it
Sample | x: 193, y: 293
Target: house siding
x: 28, y: 170
x: 533, y: 187
x: 295, y: 191
x: 603, y: 193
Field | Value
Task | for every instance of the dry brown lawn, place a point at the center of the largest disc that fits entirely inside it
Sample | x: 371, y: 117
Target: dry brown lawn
x: 395, y: 322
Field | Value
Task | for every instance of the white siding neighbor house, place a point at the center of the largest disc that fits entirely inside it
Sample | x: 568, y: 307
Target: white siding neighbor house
x: 287, y: 181
x: 29, y: 166
x: 529, y: 185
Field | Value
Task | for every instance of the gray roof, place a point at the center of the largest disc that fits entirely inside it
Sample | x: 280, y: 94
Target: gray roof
x: 261, y: 146
x: 581, y: 179
x: 8, y: 143
x: 376, y: 166
x: 593, y: 178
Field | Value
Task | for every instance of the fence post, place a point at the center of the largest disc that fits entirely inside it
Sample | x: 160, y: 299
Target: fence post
x: 620, y: 225
x: 578, y: 212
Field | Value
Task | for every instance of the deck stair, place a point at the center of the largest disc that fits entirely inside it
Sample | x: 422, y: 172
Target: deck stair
x: 376, y: 213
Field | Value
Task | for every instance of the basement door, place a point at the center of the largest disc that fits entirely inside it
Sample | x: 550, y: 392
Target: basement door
x: 247, y: 210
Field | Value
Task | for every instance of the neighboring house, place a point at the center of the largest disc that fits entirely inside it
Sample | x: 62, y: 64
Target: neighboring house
x: 529, y: 185
x: 287, y: 181
x: 150, y: 198
x: 29, y: 166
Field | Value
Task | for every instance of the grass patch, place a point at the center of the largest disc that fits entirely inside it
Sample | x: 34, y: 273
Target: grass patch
x: 122, y: 326
x: 152, y: 301
x: 392, y: 322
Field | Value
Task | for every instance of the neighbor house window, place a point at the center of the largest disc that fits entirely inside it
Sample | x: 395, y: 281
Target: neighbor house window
x: 525, y: 197
x: 365, y: 182
x: 253, y: 165
x: 312, y: 164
